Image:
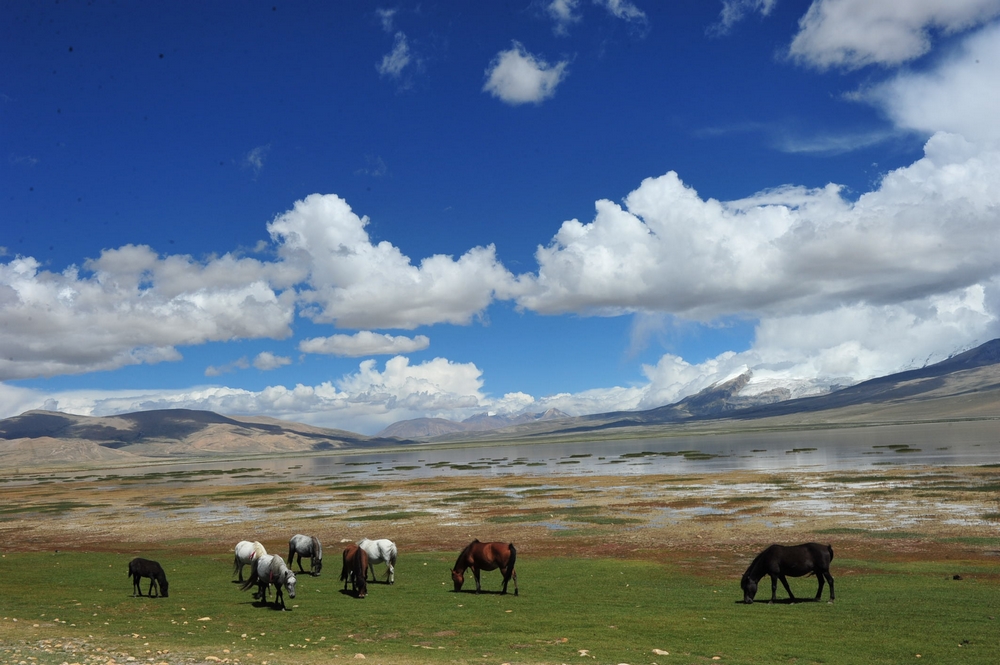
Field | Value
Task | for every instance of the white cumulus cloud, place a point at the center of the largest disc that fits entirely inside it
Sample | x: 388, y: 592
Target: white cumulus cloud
x: 365, y: 401
x: 359, y: 284
x: 929, y: 228
x: 131, y: 306
x: 518, y: 77
x: 364, y: 343
x: 959, y: 95
x: 266, y: 361
x: 855, y: 33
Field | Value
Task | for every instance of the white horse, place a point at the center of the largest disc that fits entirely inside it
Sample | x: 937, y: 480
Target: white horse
x: 306, y: 546
x: 246, y: 553
x: 271, y: 569
x: 382, y: 550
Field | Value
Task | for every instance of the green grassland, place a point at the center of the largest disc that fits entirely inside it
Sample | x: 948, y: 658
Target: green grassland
x: 69, y: 605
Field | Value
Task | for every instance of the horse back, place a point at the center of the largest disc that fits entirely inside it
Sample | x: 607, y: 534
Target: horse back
x: 799, y: 560
x: 495, y: 555
x: 349, y: 552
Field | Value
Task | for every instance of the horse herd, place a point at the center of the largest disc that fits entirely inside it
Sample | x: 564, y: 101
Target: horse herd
x: 267, y: 570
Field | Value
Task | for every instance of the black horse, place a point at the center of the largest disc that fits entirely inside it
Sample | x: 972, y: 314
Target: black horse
x: 796, y: 561
x: 138, y: 568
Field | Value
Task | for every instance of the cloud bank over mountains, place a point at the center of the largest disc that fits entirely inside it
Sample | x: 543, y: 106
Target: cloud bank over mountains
x: 840, y: 290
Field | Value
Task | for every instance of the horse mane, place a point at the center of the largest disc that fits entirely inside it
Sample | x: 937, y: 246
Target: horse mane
x: 461, y: 555
x: 317, y: 548
x: 259, y: 549
x: 754, y: 564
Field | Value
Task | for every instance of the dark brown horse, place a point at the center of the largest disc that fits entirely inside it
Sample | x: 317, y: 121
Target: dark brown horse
x: 486, y: 556
x: 355, y: 570
x: 139, y: 568
x: 795, y: 561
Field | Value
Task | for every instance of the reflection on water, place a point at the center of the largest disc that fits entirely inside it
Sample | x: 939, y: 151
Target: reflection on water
x: 967, y: 443
x: 856, y: 448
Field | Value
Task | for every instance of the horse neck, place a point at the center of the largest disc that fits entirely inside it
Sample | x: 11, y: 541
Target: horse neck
x: 756, y: 569
x: 463, y: 560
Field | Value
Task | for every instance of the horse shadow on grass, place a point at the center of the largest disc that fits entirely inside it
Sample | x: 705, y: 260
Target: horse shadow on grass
x: 272, y: 606
x: 779, y: 601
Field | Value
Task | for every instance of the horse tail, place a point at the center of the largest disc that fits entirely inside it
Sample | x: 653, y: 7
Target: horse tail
x: 236, y: 564
x: 346, y: 569
x: 829, y: 548
x: 510, y: 563
x: 252, y: 580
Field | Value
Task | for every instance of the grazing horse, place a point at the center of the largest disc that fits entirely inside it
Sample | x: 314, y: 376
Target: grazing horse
x: 247, y: 552
x: 267, y: 570
x: 355, y: 570
x: 379, y: 551
x: 486, y: 556
x: 796, y: 561
x: 138, y: 568
x: 309, y: 547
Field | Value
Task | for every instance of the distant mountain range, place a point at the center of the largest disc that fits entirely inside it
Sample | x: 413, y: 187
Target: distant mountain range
x: 484, y: 422
x: 965, y: 386
x: 46, y: 437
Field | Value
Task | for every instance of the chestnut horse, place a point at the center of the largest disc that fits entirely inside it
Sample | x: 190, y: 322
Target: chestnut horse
x: 796, y: 561
x: 486, y: 556
x: 355, y: 570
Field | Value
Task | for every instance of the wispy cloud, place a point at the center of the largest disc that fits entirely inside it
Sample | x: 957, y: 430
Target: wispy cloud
x: 375, y: 167
x: 564, y: 13
x: 734, y: 11
x: 228, y: 368
x: 394, y: 62
x: 387, y: 18
x: 254, y: 160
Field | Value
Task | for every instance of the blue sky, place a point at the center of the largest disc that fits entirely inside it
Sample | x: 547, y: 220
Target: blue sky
x: 350, y: 214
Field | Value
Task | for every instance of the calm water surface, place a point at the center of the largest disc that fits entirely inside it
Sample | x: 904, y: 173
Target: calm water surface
x: 861, y: 448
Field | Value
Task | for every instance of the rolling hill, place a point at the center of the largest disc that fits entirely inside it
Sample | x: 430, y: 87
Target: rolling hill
x: 963, y: 387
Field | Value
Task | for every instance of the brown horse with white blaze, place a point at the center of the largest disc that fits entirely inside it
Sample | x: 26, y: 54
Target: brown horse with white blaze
x: 486, y: 556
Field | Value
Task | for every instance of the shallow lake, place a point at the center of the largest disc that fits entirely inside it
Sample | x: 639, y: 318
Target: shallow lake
x: 967, y: 443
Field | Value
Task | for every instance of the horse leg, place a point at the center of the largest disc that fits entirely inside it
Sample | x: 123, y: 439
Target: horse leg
x: 279, y: 597
x: 136, y: 589
x: 819, y: 592
x: 475, y: 573
x: 829, y: 578
x: 784, y: 583
x: 774, y: 588
x: 152, y: 583
x: 513, y: 576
